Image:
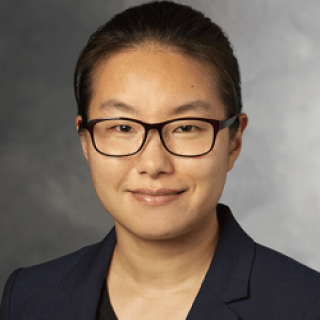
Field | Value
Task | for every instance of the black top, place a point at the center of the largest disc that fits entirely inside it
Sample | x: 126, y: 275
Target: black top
x: 105, y: 310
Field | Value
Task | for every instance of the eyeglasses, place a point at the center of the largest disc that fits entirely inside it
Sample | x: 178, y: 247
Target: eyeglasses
x: 185, y: 137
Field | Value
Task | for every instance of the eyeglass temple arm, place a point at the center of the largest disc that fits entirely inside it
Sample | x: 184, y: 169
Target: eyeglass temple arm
x: 228, y: 122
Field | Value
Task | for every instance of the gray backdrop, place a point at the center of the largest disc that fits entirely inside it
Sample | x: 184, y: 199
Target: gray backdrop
x: 48, y: 205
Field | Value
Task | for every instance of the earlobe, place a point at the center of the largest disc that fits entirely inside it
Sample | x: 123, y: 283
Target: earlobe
x: 236, y: 143
x: 84, y: 143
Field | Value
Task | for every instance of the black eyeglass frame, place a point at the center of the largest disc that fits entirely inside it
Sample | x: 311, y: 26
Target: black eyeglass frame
x: 217, y: 126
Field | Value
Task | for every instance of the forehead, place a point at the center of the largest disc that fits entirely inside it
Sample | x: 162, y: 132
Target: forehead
x: 150, y: 79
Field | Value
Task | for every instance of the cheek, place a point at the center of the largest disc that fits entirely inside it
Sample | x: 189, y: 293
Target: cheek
x: 108, y: 174
x: 208, y: 175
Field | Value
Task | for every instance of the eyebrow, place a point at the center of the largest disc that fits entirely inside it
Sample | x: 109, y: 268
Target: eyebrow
x: 118, y: 105
x: 195, y: 105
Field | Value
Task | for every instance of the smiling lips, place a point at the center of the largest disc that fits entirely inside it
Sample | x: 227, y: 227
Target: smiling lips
x: 157, y: 197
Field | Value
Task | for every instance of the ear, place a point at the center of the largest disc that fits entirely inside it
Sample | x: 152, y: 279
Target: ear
x: 84, y: 138
x: 236, y: 142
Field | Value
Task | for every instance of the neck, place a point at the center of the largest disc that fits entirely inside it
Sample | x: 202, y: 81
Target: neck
x: 172, y: 263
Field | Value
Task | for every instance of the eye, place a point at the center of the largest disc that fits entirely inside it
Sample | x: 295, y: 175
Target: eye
x: 123, y: 128
x: 187, y: 128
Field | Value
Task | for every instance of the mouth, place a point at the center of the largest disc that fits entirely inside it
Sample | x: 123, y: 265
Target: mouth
x: 157, y: 197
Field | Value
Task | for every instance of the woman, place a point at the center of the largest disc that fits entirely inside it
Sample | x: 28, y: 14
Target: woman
x: 160, y: 123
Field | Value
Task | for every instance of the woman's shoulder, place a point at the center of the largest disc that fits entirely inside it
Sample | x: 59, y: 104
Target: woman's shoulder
x: 271, y: 264
x: 279, y: 288
x: 50, y: 283
x: 280, y: 280
x: 35, y: 283
x: 52, y: 270
x: 50, y: 273
x: 268, y: 265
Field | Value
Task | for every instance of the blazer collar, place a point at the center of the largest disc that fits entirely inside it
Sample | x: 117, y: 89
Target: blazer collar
x: 229, y: 273
x: 227, y: 279
x: 85, y: 280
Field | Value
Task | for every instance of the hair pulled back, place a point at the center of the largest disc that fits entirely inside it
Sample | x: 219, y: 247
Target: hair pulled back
x: 167, y: 24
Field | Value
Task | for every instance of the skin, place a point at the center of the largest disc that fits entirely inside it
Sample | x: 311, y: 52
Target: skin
x: 163, y: 251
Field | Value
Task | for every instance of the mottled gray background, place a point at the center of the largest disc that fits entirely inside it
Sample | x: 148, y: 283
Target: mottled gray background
x: 48, y: 205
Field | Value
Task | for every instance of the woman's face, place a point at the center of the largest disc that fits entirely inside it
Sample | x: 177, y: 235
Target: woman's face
x: 154, y: 83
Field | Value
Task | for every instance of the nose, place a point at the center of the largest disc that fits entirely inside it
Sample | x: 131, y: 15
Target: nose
x: 154, y: 159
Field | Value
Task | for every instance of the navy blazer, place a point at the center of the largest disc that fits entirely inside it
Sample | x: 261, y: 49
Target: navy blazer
x: 245, y: 281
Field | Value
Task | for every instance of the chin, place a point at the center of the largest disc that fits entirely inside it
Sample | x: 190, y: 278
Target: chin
x: 158, y: 235
x: 157, y: 232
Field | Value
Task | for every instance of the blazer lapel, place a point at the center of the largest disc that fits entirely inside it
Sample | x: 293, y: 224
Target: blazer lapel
x: 227, y: 279
x: 85, y: 281
x: 208, y: 306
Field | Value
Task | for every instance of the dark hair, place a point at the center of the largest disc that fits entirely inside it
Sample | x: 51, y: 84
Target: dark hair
x: 170, y: 25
